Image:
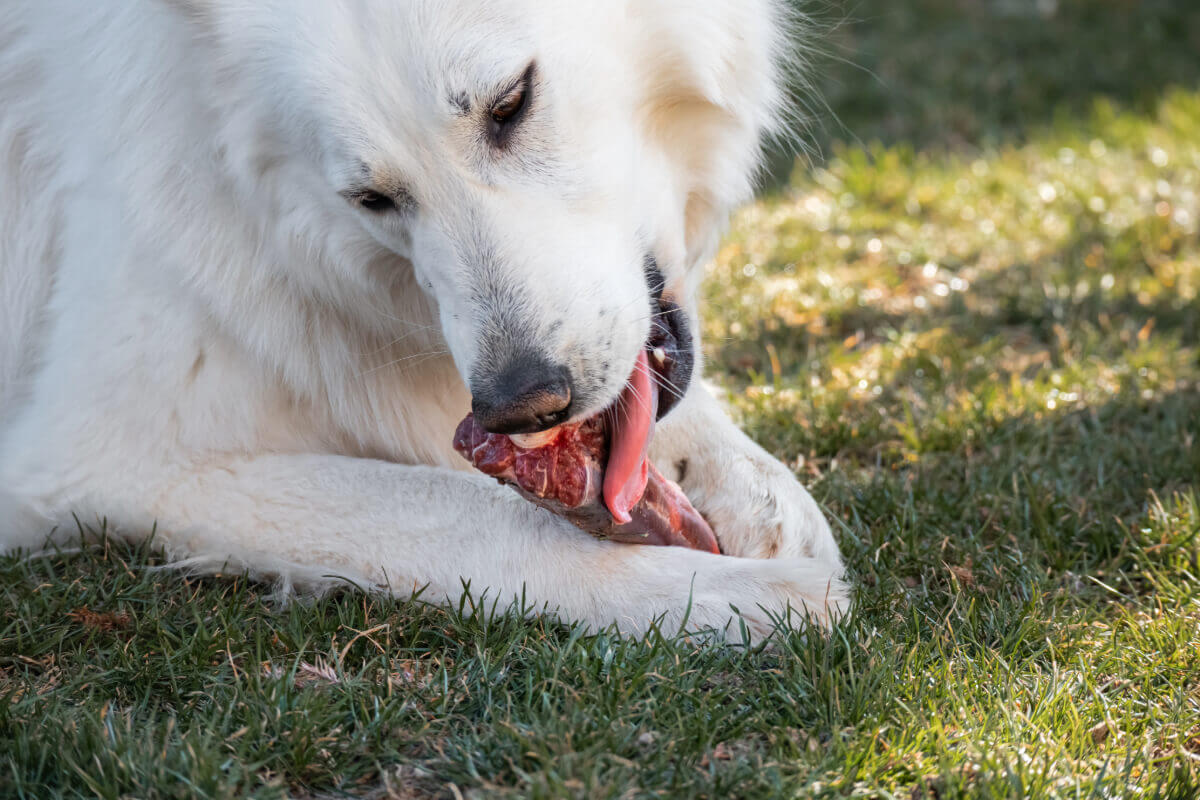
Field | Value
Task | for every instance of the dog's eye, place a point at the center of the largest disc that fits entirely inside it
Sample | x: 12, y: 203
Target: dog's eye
x: 376, y: 202
x: 512, y: 105
x: 398, y: 200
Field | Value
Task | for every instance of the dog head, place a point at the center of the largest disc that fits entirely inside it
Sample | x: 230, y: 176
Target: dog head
x: 552, y: 173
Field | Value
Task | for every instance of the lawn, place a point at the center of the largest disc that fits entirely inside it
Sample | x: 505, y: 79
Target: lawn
x: 971, y: 325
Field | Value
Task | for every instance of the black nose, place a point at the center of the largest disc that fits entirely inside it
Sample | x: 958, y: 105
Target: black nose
x: 528, y: 395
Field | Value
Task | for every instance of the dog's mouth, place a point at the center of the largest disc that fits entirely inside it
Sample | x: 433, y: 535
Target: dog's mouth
x: 596, y: 472
x: 659, y: 379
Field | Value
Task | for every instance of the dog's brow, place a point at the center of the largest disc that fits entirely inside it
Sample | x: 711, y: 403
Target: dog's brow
x: 461, y: 103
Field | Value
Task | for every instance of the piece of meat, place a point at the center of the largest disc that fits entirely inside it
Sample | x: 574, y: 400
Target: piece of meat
x: 565, y: 474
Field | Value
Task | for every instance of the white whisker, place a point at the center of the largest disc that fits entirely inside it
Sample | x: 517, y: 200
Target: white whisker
x: 426, y: 356
x: 668, y: 386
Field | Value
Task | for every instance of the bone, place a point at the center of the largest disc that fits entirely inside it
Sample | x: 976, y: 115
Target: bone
x: 533, y: 441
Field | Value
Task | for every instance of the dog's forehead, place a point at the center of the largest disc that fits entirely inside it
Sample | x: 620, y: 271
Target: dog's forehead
x: 428, y: 56
x: 476, y: 55
x: 473, y: 49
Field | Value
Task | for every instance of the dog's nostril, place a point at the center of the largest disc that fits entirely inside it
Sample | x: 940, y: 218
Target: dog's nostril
x: 527, y: 396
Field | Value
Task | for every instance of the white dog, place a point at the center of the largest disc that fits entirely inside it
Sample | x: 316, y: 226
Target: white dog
x: 257, y: 259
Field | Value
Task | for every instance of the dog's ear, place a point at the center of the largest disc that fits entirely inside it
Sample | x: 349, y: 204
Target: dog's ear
x: 714, y: 87
x: 726, y: 53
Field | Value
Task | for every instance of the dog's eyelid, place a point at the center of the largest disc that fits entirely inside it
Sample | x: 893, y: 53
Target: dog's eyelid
x: 380, y: 201
x: 517, y: 85
x: 509, y: 104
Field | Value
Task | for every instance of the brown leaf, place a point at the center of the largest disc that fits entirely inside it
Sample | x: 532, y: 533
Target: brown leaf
x: 964, y: 575
x: 306, y: 674
x: 100, y: 620
x: 719, y: 753
x: 1146, y: 330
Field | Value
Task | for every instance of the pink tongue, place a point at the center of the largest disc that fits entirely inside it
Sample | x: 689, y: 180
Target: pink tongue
x: 627, y: 472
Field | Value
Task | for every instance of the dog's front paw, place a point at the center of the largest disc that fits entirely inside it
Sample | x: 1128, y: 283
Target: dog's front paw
x: 766, y: 594
x: 759, y: 510
x: 735, y: 599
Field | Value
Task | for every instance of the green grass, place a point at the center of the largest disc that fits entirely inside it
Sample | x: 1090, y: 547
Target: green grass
x: 983, y: 356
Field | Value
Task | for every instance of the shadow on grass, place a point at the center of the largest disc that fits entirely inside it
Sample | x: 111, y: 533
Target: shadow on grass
x: 972, y: 73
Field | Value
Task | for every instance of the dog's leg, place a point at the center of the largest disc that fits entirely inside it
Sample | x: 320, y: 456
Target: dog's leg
x: 312, y: 520
x: 754, y: 503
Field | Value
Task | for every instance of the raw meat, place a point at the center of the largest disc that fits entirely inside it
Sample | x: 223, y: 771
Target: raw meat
x: 564, y: 473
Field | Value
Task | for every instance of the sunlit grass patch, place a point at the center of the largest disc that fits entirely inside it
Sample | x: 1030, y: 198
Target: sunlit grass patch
x: 956, y: 293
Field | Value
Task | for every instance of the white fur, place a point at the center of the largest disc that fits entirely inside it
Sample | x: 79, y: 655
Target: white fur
x: 199, y: 332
